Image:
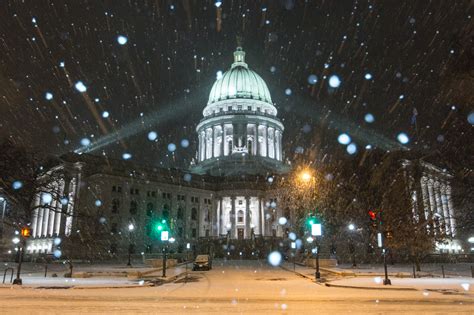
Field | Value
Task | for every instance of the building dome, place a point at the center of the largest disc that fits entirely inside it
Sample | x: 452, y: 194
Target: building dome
x: 240, y: 132
x: 239, y: 82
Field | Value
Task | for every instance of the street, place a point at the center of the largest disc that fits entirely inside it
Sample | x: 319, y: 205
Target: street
x: 233, y: 287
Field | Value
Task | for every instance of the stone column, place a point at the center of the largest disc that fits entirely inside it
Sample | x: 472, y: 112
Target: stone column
x: 36, y: 216
x: 451, y: 210
x: 432, y: 203
x: 266, y: 141
x: 260, y: 216
x: 60, y: 216
x: 222, y: 139
x: 57, y: 219
x: 444, y: 206
x: 45, y: 220
x: 232, y: 217
x: 64, y: 209
x: 247, y: 217
x: 213, y: 141
x: 257, y: 143
x: 275, y: 141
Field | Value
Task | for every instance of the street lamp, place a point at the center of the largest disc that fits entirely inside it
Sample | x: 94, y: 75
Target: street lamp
x: 316, y: 230
x: 131, y: 227
x: 351, y: 228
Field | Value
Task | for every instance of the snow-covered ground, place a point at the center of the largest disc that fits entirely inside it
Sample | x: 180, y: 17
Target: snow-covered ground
x: 234, y: 287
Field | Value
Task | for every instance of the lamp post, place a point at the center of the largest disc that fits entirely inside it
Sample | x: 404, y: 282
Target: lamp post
x: 164, y: 239
x: 352, y: 228
x: 131, y: 227
x: 316, y: 230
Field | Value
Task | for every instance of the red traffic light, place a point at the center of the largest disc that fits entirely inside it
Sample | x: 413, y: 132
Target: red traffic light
x: 26, y: 232
x: 372, y: 215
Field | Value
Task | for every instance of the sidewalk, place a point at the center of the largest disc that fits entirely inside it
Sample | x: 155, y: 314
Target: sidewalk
x: 460, y: 285
x: 97, y: 276
x: 461, y: 270
x: 359, y: 281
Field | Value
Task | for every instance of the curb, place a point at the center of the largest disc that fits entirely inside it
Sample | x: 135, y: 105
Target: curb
x: 147, y: 283
x: 301, y: 275
x: 368, y: 288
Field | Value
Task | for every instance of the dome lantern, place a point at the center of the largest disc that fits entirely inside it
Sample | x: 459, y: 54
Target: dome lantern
x: 239, y: 58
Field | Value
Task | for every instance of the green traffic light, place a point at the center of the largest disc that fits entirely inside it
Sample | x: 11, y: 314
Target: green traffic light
x: 159, y: 228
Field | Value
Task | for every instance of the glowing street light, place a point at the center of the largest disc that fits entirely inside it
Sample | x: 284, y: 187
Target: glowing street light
x: 351, y: 227
x: 305, y: 176
x: 131, y: 227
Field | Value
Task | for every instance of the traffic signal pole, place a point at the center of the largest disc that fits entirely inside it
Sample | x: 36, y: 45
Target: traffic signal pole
x: 18, y: 280
x: 386, y: 281
x: 164, y: 261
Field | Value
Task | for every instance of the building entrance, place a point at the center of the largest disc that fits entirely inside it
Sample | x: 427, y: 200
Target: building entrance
x: 240, y: 234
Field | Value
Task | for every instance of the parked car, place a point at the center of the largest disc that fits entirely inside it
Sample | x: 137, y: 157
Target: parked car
x: 202, y: 262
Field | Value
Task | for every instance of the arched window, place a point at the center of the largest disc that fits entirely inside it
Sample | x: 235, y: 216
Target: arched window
x: 240, y: 216
x: 133, y: 207
x: 194, y: 214
x: 166, y: 212
x: 115, y: 205
x: 150, y: 208
x: 180, y: 214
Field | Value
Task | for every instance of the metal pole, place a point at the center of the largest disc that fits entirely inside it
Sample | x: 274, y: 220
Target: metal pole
x: 442, y: 270
x: 129, y: 263
x: 386, y: 281
x: 18, y: 272
x: 164, y: 262
x: 414, y: 271
x: 45, y: 270
x: 472, y: 271
x: 317, y: 274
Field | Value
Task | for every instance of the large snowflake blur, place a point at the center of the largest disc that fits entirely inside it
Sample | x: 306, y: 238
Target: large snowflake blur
x: 80, y: 71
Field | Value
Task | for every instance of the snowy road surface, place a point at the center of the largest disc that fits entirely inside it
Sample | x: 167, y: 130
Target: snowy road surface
x: 233, y: 287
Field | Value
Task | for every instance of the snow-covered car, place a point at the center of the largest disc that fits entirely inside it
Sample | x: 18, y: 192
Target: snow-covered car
x: 202, y: 262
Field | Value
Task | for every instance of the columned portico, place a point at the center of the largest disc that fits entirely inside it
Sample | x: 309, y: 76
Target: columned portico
x: 239, y: 216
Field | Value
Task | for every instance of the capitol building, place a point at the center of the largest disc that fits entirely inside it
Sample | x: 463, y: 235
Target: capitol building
x: 226, y: 202
x: 226, y: 194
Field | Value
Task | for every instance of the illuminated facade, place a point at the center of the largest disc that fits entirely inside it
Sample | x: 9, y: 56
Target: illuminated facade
x: 224, y: 196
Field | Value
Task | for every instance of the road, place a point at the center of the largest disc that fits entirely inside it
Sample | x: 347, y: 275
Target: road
x: 232, y: 287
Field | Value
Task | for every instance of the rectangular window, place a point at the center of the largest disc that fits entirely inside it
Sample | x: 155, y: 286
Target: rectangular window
x: 239, y: 107
x: 114, y: 188
x: 194, y: 233
x: 249, y: 107
x: 131, y: 191
x: 119, y: 189
x: 153, y: 193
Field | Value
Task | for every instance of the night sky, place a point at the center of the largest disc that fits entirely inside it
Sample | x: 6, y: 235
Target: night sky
x: 391, y: 58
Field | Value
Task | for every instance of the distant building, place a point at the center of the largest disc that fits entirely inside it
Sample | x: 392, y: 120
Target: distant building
x: 431, y: 195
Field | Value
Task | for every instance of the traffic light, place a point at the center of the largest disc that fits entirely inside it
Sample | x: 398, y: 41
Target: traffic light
x: 25, y: 232
x: 372, y: 215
